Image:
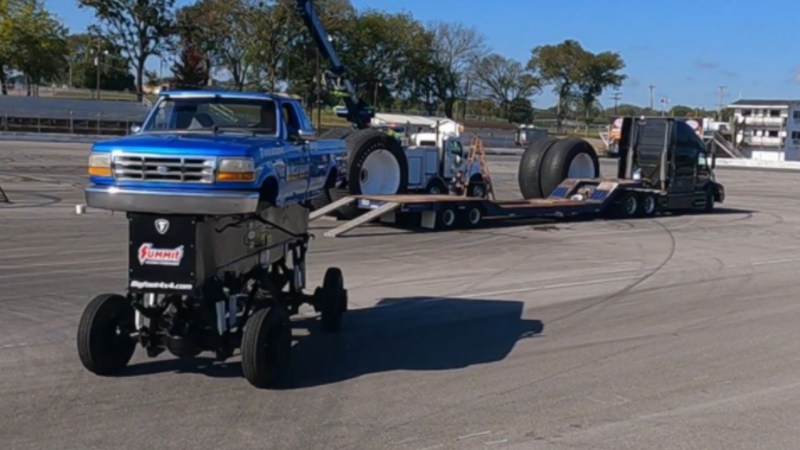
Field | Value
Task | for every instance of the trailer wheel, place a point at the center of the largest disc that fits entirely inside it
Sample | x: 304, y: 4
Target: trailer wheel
x: 332, y: 299
x: 266, y: 344
x: 376, y: 165
x: 473, y: 216
x: 569, y: 158
x: 447, y: 217
x: 529, y: 175
x: 104, y: 343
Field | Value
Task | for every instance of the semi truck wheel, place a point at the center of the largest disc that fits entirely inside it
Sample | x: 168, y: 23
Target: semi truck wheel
x: 649, y: 205
x: 376, y: 165
x: 266, y: 343
x: 568, y: 158
x: 529, y: 176
x: 104, y: 343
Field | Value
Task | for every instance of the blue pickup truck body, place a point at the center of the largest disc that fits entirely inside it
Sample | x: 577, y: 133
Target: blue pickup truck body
x: 215, y: 153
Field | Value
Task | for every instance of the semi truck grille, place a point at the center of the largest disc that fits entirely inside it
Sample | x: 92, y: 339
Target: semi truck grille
x: 164, y: 168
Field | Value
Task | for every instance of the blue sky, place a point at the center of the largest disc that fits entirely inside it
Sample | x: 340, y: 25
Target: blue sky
x: 687, y: 49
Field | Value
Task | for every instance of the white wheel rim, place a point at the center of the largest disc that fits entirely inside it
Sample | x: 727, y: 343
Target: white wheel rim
x: 581, y: 167
x: 380, y: 174
x: 478, y: 191
x: 435, y: 190
x: 448, y: 217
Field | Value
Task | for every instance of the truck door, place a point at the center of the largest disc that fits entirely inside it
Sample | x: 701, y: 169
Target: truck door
x: 297, y: 153
x: 453, y: 157
x: 684, y: 161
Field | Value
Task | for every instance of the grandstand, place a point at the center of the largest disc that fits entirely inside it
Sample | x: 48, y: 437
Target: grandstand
x: 61, y: 115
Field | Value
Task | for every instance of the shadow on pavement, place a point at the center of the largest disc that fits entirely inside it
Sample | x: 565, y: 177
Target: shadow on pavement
x: 413, y: 334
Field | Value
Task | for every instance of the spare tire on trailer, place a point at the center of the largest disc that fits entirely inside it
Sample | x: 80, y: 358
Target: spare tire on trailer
x: 376, y: 165
x: 568, y: 158
x: 529, y: 177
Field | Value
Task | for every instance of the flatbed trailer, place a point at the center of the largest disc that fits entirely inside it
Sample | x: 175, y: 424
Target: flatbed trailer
x: 573, y: 197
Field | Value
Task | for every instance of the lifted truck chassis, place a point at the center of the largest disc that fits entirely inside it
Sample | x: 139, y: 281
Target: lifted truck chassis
x: 200, y: 283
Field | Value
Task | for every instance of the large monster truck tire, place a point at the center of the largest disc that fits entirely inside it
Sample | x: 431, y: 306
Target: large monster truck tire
x: 376, y: 165
x: 530, y: 167
x: 568, y: 158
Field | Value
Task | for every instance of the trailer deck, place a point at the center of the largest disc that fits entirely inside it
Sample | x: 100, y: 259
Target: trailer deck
x: 572, y: 197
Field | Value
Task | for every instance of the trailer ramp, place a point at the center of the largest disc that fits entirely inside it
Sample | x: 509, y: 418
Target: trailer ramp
x: 362, y: 219
x: 317, y: 213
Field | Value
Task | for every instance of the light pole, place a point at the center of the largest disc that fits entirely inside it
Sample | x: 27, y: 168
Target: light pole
x: 97, y: 64
x: 617, y: 96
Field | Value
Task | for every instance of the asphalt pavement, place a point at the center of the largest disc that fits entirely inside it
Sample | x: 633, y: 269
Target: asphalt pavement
x: 678, y: 332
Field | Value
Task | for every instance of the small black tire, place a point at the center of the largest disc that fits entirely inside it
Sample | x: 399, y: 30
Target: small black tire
x: 529, y: 175
x: 557, y: 164
x: 447, y: 217
x: 105, y: 346
x: 266, y: 345
x: 332, y: 300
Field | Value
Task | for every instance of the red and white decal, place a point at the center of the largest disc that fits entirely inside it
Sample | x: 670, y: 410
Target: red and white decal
x: 148, y: 255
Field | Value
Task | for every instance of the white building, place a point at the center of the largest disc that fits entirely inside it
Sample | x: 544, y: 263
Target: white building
x: 767, y: 130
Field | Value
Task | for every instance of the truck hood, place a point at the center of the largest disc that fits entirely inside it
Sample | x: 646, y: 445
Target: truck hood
x: 200, y: 144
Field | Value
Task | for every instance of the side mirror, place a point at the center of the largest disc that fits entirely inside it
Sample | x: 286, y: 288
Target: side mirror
x: 307, y: 135
x: 135, y: 129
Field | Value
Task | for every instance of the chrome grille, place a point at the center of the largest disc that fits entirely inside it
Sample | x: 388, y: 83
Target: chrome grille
x: 175, y: 169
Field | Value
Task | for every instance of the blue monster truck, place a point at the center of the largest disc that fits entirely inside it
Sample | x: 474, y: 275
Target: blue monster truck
x: 216, y: 153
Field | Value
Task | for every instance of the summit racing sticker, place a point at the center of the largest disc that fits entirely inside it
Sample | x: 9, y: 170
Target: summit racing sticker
x: 149, y: 255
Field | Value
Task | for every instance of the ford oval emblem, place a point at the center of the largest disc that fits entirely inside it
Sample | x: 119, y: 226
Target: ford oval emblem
x: 162, y: 169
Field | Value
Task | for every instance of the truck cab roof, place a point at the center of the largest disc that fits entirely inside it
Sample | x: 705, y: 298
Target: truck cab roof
x: 227, y: 94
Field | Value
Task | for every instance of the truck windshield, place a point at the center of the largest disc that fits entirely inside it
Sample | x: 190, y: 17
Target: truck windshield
x: 214, y: 114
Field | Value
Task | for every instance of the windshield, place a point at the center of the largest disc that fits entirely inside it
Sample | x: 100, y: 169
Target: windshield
x: 214, y: 115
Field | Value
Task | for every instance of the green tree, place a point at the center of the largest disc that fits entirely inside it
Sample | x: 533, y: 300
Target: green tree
x: 455, y: 49
x: 559, y: 66
x: 271, y: 43
x: 379, y: 56
x: 596, y: 73
x: 300, y: 63
x: 520, y: 111
x: 6, y: 37
x: 191, y: 69
x: 505, y: 81
x: 192, y: 28
x: 141, y: 28
x: 38, y: 45
x: 113, y: 68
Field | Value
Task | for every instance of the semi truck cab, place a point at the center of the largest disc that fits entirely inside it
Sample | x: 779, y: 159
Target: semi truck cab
x: 667, y: 154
